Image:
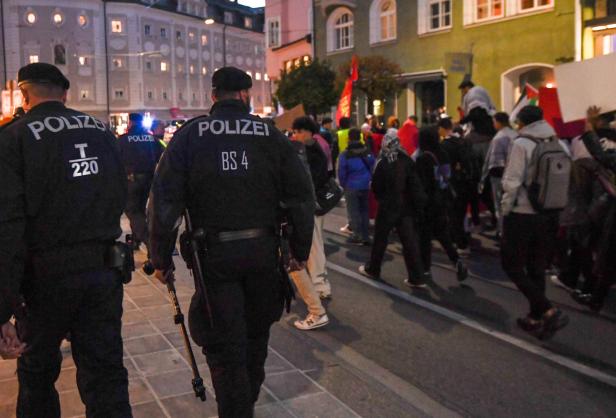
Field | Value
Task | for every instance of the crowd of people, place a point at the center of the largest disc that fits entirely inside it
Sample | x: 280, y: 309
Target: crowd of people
x: 550, y: 200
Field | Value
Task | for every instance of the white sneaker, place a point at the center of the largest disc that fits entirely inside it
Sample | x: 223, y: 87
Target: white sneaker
x: 312, y: 322
x: 556, y: 281
x: 346, y: 229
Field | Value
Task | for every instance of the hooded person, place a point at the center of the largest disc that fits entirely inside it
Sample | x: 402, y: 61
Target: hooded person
x: 402, y: 201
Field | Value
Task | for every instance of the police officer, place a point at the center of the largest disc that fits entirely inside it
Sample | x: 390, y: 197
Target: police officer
x: 63, y: 189
x: 232, y: 170
x: 140, y: 152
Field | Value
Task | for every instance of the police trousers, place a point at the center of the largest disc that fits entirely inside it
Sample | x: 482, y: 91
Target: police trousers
x: 89, y: 307
x: 244, y: 288
x: 138, y: 191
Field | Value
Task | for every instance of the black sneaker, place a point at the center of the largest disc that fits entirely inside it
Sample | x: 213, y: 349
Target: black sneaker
x: 530, y: 325
x: 355, y: 240
x: 461, y: 271
x: 148, y: 268
x: 553, y: 320
x: 427, y: 275
x: 365, y: 270
x: 415, y: 284
x: 581, y: 297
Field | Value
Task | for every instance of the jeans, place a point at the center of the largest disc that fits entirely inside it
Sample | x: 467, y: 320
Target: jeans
x: 525, y: 250
x: 405, y: 226
x: 359, y: 215
x: 89, y: 306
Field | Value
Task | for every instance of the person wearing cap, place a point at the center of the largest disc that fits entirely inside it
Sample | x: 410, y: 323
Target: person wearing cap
x: 236, y: 174
x: 63, y: 190
x: 140, y: 153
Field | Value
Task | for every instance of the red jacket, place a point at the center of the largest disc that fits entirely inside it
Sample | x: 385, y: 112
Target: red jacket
x: 409, y: 136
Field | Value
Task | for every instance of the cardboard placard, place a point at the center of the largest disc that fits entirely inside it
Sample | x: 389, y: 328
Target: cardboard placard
x: 586, y: 83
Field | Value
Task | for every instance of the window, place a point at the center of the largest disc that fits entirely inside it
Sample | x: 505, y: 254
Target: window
x: 82, y: 20
x: 204, y: 70
x: 265, y: 77
x: 343, y: 32
x: 117, y: 63
x: 116, y: 26
x: 148, y: 65
x: 180, y: 68
x: 439, y: 13
x: 178, y: 35
x: 30, y: 17
x: 84, y: 94
x: 528, y: 5
x: 58, y: 18
x: 164, y: 66
x: 203, y: 40
x: 59, y: 55
x: 191, y: 69
x: 257, y: 76
x: 180, y: 95
x: 150, y: 95
x: 387, y: 20
x: 273, y: 32
x: 164, y: 95
x: 194, y: 97
x: 33, y: 59
x: 163, y: 32
x: 118, y: 94
x: 228, y: 18
x: 248, y: 22
x: 147, y: 30
x: 488, y: 9
x: 192, y: 36
x: 83, y: 61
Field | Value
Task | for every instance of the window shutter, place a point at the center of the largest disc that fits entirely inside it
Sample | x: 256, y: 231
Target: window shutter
x: 422, y: 16
x: 511, y: 7
x: 469, y: 11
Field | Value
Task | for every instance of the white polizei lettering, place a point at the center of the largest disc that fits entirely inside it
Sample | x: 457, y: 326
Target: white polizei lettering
x: 82, y: 149
x: 50, y: 127
x: 246, y: 126
x: 88, y: 125
x: 78, y: 121
x: 100, y: 125
x: 220, y: 129
x: 266, y: 129
x: 36, y: 127
x: 203, y: 126
x: 68, y: 124
x: 257, y: 128
x: 228, y: 129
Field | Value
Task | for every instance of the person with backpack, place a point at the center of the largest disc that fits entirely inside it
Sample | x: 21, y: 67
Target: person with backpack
x: 354, y: 173
x: 464, y: 177
x: 402, y: 202
x: 435, y: 172
x: 535, y: 186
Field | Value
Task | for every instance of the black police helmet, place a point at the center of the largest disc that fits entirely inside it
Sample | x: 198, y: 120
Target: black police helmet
x: 42, y: 73
x: 231, y: 79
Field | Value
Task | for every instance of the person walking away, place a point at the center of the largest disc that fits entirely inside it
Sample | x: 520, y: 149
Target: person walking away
x: 304, y: 133
x: 464, y: 171
x: 236, y: 175
x: 354, y: 175
x: 434, y: 173
x: 326, y: 130
x: 496, y: 160
x: 529, y: 229
x: 140, y: 152
x: 409, y: 135
x: 402, y: 202
x: 63, y: 189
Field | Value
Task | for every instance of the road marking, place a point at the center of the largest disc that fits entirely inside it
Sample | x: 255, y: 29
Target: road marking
x: 454, y: 316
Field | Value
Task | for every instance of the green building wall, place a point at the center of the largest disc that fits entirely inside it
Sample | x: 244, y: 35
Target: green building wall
x: 545, y: 37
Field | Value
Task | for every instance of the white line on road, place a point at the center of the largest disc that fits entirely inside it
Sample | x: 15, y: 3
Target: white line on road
x: 454, y: 316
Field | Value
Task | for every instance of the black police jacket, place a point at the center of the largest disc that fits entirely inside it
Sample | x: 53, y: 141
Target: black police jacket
x: 140, y: 151
x: 232, y: 171
x: 61, y: 183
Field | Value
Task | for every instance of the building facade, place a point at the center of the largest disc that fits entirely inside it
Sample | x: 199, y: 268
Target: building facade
x: 503, y: 44
x: 154, y: 56
x: 288, y: 26
x: 599, y: 28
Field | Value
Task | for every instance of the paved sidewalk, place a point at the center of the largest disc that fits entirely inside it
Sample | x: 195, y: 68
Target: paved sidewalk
x: 160, y: 377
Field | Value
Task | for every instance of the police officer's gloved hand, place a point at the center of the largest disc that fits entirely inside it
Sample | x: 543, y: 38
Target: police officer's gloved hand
x: 10, y: 345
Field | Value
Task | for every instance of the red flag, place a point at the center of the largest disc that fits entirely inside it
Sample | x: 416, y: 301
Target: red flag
x: 344, y: 105
x: 354, y: 68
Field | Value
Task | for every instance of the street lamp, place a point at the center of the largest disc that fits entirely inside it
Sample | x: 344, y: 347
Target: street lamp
x: 210, y: 21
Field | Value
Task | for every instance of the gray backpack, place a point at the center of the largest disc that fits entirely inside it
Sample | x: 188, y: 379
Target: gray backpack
x: 549, y: 174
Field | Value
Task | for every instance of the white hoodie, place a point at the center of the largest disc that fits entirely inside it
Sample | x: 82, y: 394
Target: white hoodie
x: 515, y: 197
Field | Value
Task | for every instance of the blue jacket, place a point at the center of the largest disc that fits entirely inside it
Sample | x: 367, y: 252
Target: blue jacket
x: 355, y: 167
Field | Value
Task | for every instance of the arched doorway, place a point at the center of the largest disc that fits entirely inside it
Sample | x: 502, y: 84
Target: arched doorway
x: 513, y: 81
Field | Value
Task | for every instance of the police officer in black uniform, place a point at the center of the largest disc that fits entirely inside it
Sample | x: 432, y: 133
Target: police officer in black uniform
x: 232, y: 171
x: 62, y: 192
x: 140, y: 152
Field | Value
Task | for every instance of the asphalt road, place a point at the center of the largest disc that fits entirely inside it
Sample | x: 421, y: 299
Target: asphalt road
x: 450, y: 350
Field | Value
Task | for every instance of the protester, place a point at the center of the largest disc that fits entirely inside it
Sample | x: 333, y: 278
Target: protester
x: 496, y: 160
x: 401, y: 204
x: 326, y: 130
x: 528, y: 233
x: 354, y: 174
x: 409, y: 135
x: 435, y: 172
x: 393, y: 122
x: 304, y: 131
x: 342, y: 138
x: 464, y: 171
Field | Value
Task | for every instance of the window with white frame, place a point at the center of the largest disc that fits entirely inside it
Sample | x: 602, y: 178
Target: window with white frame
x: 273, y: 32
x: 32, y: 59
x: 529, y: 5
x: 117, y: 26
x: 387, y: 20
x: 203, y: 40
x: 340, y: 30
x: 228, y: 18
x: 488, y: 9
x: 117, y: 62
x: 164, y: 66
x: 83, y: 60
x: 118, y: 94
x: 439, y: 14
x: 84, y: 94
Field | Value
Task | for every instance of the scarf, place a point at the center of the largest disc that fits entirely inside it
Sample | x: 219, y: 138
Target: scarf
x: 390, y: 147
